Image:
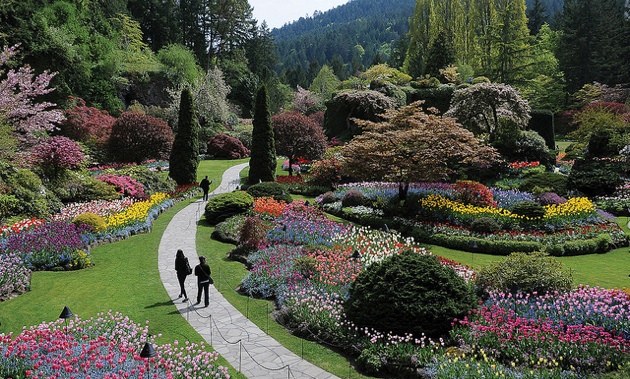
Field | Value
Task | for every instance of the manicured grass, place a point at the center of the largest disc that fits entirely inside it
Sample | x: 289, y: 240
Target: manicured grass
x: 562, y: 145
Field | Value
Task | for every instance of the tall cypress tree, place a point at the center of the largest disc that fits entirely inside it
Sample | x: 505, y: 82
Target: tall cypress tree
x: 262, y: 161
x: 185, y: 152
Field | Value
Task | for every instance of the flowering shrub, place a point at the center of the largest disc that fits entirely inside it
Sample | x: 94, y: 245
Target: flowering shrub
x: 470, y: 192
x: 107, y: 346
x: 126, y: 185
x: 269, y: 206
x: 14, y: 276
x: 52, y: 244
x: 87, y: 124
x: 58, y: 153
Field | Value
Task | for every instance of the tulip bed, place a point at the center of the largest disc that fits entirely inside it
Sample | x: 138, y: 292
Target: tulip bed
x: 107, y: 346
x: 309, y: 262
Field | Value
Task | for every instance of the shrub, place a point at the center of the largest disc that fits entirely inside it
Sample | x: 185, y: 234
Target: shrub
x: 326, y: 172
x: 408, y: 293
x: 547, y: 181
x: 126, y: 185
x: 184, y: 155
x: 530, y: 209
x: 229, y: 231
x: 528, y: 273
x: 480, y: 79
x: 226, y: 205
x: 484, y: 225
x: 227, y: 147
x: 550, y: 198
x: 594, y: 178
x: 57, y: 154
x: 94, y: 221
x: 470, y: 192
x: 306, y: 266
x: 137, y: 137
x: 353, y: 198
x: 253, y: 233
x: 269, y: 189
x: 327, y: 198
x: 81, y: 187
x: 151, y: 180
x: 87, y: 124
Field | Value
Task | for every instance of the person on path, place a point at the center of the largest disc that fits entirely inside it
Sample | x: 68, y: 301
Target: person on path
x: 205, y: 186
x: 181, y: 267
x: 202, y: 272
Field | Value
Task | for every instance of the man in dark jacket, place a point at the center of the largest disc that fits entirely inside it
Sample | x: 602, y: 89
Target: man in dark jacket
x: 202, y: 272
x: 205, y: 186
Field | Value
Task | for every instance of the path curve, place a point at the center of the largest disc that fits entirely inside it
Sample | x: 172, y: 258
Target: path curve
x: 257, y: 355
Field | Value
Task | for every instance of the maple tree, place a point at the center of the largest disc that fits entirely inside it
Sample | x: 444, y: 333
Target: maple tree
x: 87, y: 124
x: 298, y: 136
x: 413, y: 146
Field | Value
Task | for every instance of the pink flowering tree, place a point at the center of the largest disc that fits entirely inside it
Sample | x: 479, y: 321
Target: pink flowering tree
x: 57, y: 154
x: 18, y: 91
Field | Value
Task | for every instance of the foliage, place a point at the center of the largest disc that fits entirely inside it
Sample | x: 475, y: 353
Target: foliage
x: 87, y: 124
x: 594, y: 178
x: 326, y: 172
x: 78, y: 186
x: 527, y: 273
x: 184, y: 155
x: 385, y: 73
x: 353, y: 198
x: 269, y: 189
x: 325, y: 84
x: 27, y: 187
x: 594, y: 118
x: 484, y: 225
x: 413, y: 146
x: 151, y: 178
x: 526, y: 145
x: 480, y: 107
x: 347, y: 107
x: 298, y: 136
x: 224, y: 206
x: 253, y: 233
x: 470, y: 192
x: 262, y: 162
x: 546, y: 182
x: 550, y: 198
x: 180, y: 63
x: 57, y: 154
x: 228, y: 231
x: 125, y: 185
x: 137, y: 137
x: 18, y: 90
x: 409, y: 293
x: 94, y: 221
x: 227, y: 147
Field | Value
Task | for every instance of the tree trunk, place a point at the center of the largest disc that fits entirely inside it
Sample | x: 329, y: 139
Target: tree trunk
x: 403, y: 188
x: 290, y: 166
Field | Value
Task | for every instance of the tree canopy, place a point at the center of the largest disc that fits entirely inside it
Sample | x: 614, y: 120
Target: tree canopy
x: 298, y: 136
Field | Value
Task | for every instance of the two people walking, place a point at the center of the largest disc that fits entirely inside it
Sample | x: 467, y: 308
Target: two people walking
x: 202, y: 272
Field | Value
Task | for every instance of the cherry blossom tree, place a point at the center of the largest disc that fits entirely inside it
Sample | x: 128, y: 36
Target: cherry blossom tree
x: 18, y: 91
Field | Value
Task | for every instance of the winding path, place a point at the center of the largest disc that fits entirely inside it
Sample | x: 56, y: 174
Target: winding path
x: 248, y: 349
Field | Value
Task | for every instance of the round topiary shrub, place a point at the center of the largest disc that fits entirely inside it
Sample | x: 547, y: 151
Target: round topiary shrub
x: 353, y: 198
x: 474, y: 193
x: 409, y: 293
x: 485, y: 225
x: 96, y: 222
x: 535, y: 272
x: 530, y: 209
x: 270, y: 189
x: 137, y: 137
x: 226, y: 205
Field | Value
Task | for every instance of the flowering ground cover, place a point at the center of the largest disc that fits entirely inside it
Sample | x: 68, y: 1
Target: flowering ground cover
x: 105, y: 346
x: 578, y: 334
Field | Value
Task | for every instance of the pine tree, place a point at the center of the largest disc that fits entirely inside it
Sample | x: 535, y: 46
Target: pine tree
x: 441, y: 54
x: 536, y: 17
x: 185, y: 152
x: 262, y: 161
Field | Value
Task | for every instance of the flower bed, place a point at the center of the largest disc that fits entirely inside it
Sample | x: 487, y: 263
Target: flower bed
x: 107, y: 346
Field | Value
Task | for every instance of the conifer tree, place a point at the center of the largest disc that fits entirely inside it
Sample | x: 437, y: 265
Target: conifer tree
x: 185, y: 152
x: 262, y: 161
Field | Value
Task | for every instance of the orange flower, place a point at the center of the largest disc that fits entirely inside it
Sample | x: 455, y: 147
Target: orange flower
x: 269, y: 205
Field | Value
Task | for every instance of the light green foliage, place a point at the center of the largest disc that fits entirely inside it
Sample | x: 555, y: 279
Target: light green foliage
x: 535, y: 272
x: 592, y: 119
x: 180, y: 64
x: 96, y: 222
x: 386, y: 73
x: 325, y: 84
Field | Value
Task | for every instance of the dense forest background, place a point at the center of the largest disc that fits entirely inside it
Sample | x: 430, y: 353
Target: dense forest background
x: 116, y: 53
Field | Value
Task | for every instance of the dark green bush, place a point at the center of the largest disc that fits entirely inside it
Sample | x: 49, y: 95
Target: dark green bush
x: 270, y: 189
x: 226, y: 205
x: 535, y: 272
x: 409, y: 293
x: 474, y: 244
x: 484, y: 225
x: 598, y: 245
x: 530, y: 209
x: 594, y: 178
x: 353, y: 198
x: 547, y: 181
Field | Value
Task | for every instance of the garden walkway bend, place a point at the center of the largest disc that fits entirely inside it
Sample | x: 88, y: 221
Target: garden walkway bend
x: 248, y: 349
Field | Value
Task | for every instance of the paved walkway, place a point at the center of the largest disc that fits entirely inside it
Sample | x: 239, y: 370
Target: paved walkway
x: 247, y: 348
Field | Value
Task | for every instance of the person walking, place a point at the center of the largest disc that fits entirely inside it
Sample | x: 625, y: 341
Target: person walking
x: 205, y: 186
x: 202, y: 272
x: 182, y: 267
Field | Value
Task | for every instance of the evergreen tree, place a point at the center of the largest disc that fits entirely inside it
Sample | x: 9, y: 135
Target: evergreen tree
x: 185, y: 152
x: 262, y: 161
x: 509, y: 41
x: 536, y: 17
x: 440, y: 55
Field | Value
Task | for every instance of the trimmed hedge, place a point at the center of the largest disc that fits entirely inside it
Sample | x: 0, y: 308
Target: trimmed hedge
x: 270, y: 189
